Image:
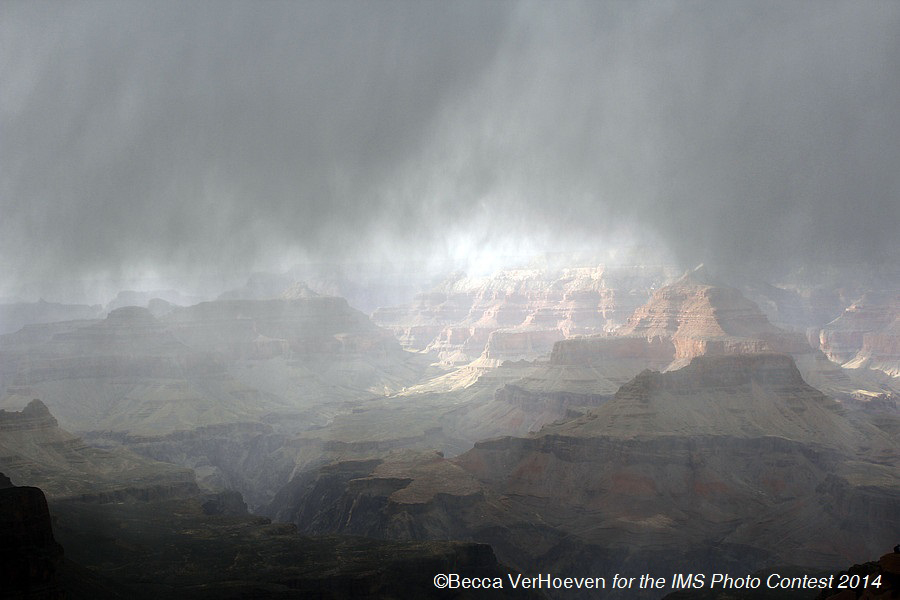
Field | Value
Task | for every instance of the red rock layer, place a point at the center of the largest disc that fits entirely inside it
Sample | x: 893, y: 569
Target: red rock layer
x: 701, y: 318
x: 458, y: 319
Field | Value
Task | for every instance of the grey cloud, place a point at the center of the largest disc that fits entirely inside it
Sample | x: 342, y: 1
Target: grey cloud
x: 210, y: 137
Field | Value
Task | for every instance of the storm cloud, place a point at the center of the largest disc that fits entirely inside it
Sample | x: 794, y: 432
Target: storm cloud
x: 200, y: 137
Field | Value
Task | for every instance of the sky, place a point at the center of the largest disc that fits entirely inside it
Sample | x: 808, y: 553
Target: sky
x: 187, y: 140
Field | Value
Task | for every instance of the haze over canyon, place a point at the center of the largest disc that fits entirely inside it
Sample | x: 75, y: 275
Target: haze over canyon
x: 323, y: 300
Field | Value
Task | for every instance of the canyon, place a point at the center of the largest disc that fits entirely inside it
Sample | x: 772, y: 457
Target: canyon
x: 585, y: 419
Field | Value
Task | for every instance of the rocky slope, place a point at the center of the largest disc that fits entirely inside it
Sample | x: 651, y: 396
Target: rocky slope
x: 34, y: 451
x: 886, y: 570
x: 691, y: 317
x: 731, y: 462
x: 582, y: 372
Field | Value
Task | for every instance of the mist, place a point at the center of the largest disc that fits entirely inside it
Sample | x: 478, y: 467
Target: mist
x: 191, y: 142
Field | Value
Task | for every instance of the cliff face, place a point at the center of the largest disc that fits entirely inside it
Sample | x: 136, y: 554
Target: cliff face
x: 843, y: 338
x: 732, y: 453
x: 691, y: 317
x: 597, y: 350
x: 701, y: 317
x: 866, y: 338
x: 880, y: 350
x: 519, y: 314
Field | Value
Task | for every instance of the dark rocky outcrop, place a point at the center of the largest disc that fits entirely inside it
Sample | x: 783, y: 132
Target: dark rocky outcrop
x: 30, y: 558
x: 886, y: 570
x: 189, y: 548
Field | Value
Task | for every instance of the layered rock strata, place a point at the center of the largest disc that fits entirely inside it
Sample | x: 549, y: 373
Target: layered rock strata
x: 519, y: 314
x: 701, y: 317
x: 731, y: 462
x: 843, y: 338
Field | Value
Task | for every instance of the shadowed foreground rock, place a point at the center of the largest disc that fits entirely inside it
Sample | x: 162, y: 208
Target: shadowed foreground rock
x: 887, y: 567
x: 208, y: 548
x: 30, y: 559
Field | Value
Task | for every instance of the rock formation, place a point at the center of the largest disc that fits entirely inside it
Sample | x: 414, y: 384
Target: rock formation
x: 702, y: 317
x: 880, y: 351
x: 215, y: 362
x: 886, y: 570
x: 30, y: 557
x: 873, y: 313
x: 189, y: 548
x: 34, y: 451
x: 866, y: 335
x: 732, y: 453
x: 519, y: 314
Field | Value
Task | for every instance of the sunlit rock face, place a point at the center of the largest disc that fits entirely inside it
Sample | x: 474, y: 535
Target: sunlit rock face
x: 519, y: 314
x: 734, y: 453
x: 880, y: 351
x: 843, y: 338
x: 694, y: 316
x: 866, y: 335
x: 702, y: 317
